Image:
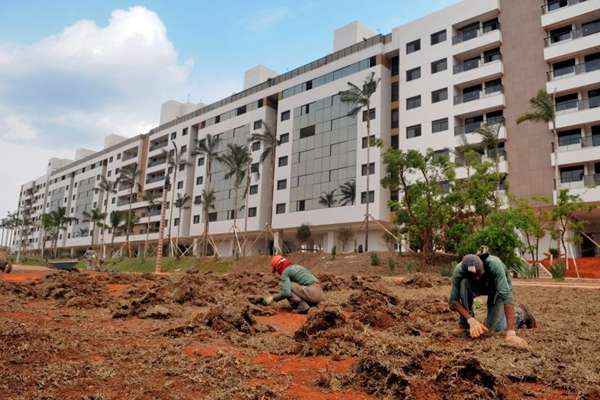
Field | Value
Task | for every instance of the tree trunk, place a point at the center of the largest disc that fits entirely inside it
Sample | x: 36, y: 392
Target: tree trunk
x: 178, y: 233
x: 206, y: 209
x: 247, y: 195
x: 161, y: 232
x: 235, y: 215
x: 367, y: 215
x: 171, y: 205
x: 129, y: 221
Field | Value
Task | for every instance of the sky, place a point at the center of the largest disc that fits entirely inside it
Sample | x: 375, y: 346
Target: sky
x: 72, y: 72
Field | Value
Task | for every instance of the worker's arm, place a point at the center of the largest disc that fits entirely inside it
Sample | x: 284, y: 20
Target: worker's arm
x: 285, y: 286
x: 476, y: 328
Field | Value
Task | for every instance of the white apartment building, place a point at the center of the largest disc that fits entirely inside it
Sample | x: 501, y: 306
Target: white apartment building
x: 441, y: 78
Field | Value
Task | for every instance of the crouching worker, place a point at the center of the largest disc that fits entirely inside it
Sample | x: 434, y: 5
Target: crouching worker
x: 486, y: 275
x: 298, y: 285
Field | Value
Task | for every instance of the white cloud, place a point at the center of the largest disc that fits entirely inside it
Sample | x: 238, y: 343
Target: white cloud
x: 266, y: 19
x: 71, y: 89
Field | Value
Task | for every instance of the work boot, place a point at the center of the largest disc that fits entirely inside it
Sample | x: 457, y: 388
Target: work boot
x: 528, y: 321
x: 302, y: 308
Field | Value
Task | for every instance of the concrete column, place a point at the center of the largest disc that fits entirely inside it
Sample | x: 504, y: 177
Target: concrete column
x: 330, y: 242
x: 72, y: 252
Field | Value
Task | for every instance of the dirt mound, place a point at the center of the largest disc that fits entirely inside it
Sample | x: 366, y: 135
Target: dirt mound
x: 135, y: 302
x: 467, y: 379
x: 72, y: 290
x: 229, y: 319
x: 375, y: 307
x: 423, y: 280
x: 319, y: 320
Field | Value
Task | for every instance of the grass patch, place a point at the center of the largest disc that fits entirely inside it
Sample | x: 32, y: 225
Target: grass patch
x: 168, y: 265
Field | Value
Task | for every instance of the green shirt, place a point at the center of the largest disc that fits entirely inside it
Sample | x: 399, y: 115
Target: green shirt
x: 496, y: 278
x: 297, y: 274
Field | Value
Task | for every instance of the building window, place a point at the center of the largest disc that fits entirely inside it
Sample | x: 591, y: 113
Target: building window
x: 281, y: 184
x: 254, y: 168
x: 570, y: 137
x: 241, y: 110
x: 492, y: 55
x: 372, y: 115
x: 257, y: 124
x: 253, y: 189
x: 285, y: 115
x: 183, y: 149
x: 307, y: 131
x: 201, y: 161
x: 413, y: 46
x: 395, y: 91
x: 440, y: 125
x: 413, y: 102
x: 280, y: 208
x: 283, y: 161
x: 395, y: 118
x: 284, y: 138
x: 185, y: 132
x: 196, y: 219
x: 212, y: 217
x: 365, y: 143
x: 571, y: 174
x: 438, y: 37
x: 439, y: 95
x: 363, y: 197
x: 180, y: 185
x: 395, y: 66
x: 199, y: 180
x: 439, y: 65
x: 255, y: 146
x: 198, y: 200
x: 413, y: 74
x: 491, y: 25
x: 176, y: 222
x: 413, y: 131
x: 181, y: 167
x: 251, y: 212
x: 173, y: 135
x: 370, y: 169
x: 395, y: 141
x: 301, y: 206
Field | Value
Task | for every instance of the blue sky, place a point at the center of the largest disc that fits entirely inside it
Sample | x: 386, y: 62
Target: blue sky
x: 73, y: 71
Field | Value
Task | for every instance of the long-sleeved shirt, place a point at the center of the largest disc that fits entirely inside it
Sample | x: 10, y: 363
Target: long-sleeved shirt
x: 496, y: 278
x: 297, y: 274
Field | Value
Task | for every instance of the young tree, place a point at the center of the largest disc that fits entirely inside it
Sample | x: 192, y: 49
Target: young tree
x: 108, y: 188
x: 96, y: 218
x: 543, y: 110
x: 564, y: 217
x: 344, y: 235
x: 181, y: 202
x: 129, y: 176
x: 115, y: 223
x: 327, y: 199
x: 130, y: 220
x: 175, y: 161
x: 532, y: 223
x: 360, y: 98
x: 61, y: 221
x: 348, y: 193
x: 236, y: 159
x: 303, y: 234
x: 151, y: 203
x: 48, y: 230
x: 207, y: 199
x: 425, y: 206
x: 208, y: 147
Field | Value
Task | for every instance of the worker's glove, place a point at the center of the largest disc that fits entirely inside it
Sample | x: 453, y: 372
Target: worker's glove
x: 515, y: 341
x: 267, y: 300
x: 476, y: 328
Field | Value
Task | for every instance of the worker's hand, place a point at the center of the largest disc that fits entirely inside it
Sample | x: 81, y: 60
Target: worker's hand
x: 515, y: 341
x: 267, y: 300
x: 476, y: 328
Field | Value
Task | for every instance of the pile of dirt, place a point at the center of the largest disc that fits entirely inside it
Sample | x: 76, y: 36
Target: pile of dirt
x: 424, y: 280
x: 72, y: 290
x: 465, y: 378
x: 328, y: 332
x: 228, y: 319
x: 331, y: 282
x: 375, y: 306
x: 139, y: 303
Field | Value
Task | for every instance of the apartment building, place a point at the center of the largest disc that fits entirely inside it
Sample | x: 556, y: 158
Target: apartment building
x: 441, y: 78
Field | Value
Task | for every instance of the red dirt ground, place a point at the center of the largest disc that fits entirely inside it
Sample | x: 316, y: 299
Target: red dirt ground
x: 588, y: 267
x: 285, y: 322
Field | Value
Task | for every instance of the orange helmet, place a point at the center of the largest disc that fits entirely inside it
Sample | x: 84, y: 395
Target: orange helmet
x: 275, y: 261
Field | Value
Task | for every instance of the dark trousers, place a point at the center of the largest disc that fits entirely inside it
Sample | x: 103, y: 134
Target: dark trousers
x: 304, y: 297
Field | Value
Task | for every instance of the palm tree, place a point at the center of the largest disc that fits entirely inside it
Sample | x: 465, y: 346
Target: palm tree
x: 208, y: 147
x: 491, y: 140
x: 108, y: 187
x: 207, y: 199
x: 129, y: 176
x: 348, y: 193
x: 327, y: 199
x: 24, y: 224
x: 151, y: 203
x: 236, y: 160
x: 361, y: 98
x: 61, y: 220
x: 130, y: 220
x: 47, y: 225
x: 175, y: 161
x: 180, y: 203
x: 115, y: 221
x: 543, y: 110
x: 96, y: 218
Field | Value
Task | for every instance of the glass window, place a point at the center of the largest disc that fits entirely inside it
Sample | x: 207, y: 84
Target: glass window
x: 413, y: 131
x: 439, y: 95
x: 363, y: 197
x: 567, y: 102
x: 255, y: 146
x: 439, y: 125
x: 281, y: 184
x: 413, y: 74
x: 591, y: 27
x: 254, y: 168
x: 395, y: 141
x: 201, y: 161
x: 395, y: 91
x: 570, y: 137
x: 372, y: 115
x: 395, y: 118
x: 571, y: 174
x: 280, y: 208
x: 395, y: 67
x: 252, y: 212
x: 413, y: 102
x: 491, y: 25
x: 285, y: 115
x: 438, y: 37
x: 413, y: 46
x: 301, y: 205
x: 253, y: 189
x: 257, y: 124
x: 283, y: 161
x: 196, y: 219
x: 284, y: 138
x: 364, y: 142
x: 370, y: 169
x: 439, y: 65
x: 199, y: 180
x: 492, y: 55
x: 307, y: 131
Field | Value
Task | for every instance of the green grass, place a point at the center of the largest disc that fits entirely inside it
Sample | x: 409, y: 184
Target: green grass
x: 168, y: 265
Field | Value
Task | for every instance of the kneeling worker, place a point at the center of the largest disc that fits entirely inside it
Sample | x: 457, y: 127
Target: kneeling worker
x: 479, y: 275
x: 298, y: 285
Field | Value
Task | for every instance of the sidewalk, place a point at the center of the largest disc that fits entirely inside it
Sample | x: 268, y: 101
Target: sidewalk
x: 569, y: 283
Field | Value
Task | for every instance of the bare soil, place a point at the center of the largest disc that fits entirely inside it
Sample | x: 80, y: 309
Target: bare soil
x: 200, y: 335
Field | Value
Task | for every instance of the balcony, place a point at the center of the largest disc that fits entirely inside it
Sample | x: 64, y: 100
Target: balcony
x: 559, y: 11
x: 155, y: 178
x: 129, y: 155
x: 577, y: 112
x: 477, y: 70
x: 573, y: 77
x: 473, y: 40
x: 467, y: 134
x: 158, y: 145
x: 466, y: 104
x: 572, y: 42
x: 155, y: 162
x: 578, y: 150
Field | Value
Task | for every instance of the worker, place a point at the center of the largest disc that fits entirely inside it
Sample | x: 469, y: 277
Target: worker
x: 484, y: 274
x: 298, y: 285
